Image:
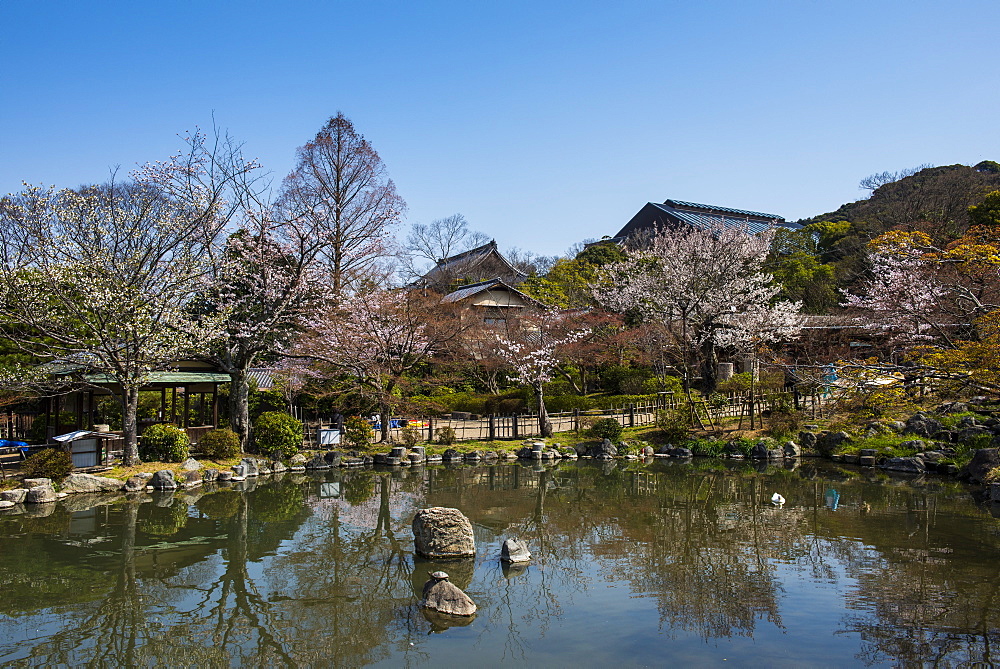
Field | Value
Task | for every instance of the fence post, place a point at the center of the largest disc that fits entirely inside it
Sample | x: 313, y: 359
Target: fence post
x: 631, y: 415
x: 430, y: 429
x: 514, y: 425
x: 493, y: 427
x: 576, y: 420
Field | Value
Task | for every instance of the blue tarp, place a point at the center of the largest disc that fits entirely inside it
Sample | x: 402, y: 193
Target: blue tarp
x: 10, y: 443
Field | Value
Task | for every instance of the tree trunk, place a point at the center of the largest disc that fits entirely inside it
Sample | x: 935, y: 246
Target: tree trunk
x: 239, y: 408
x: 544, y: 424
x: 385, y: 411
x: 130, y: 426
x: 709, y: 364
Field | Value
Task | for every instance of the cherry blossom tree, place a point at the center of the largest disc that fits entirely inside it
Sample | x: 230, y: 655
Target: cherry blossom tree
x: 269, y: 283
x: 531, y: 348
x: 706, y: 287
x: 378, y: 337
x: 340, y: 186
x: 940, y: 303
x: 102, y: 278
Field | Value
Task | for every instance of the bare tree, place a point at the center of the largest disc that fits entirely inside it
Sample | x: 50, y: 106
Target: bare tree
x: 442, y: 238
x: 875, y: 181
x: 340, y: 184
x: 530, y: 262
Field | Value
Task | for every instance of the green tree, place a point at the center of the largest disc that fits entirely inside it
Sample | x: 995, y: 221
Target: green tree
x: 987, y: 213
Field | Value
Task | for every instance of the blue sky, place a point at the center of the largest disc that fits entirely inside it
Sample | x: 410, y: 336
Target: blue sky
x: 544, y: 123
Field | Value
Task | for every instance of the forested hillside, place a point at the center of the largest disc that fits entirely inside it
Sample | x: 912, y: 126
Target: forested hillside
x: 829, y: 253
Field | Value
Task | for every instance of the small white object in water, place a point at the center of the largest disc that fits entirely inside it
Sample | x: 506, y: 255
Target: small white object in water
x: 777, y: 499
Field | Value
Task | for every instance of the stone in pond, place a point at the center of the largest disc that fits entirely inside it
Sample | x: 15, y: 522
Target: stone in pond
x: 514, y: 550
x: 445, y: 597
x: 442, y: 532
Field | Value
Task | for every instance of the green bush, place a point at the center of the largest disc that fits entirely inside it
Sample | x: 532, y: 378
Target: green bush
x: 741, y: 445
x: 163, y: 442
x: 220, y: 444
x: 446, y: 436
x: 359, y: 432
x: 48, y: 463
x: 410, y: 436
x: 561, y: 403
x: 624, y: 380
x: 706, y: 447
x: 674, y: 423
x: 278, y: 435
x: 606, y: 428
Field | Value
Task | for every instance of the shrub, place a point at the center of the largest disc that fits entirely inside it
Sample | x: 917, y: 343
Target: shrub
x: 625, y: 380
x: 48, y: 463
x: 674, y: 423
x: 606, y: 428
x: 359, y: 432
x: 446, y: 435
x: 163, y: 442
x: 706, y: 447
x: 785, y: 421
x: 626, y: 448
x: 277, y: 434
x: 220, y: 444
x: 410, y: 436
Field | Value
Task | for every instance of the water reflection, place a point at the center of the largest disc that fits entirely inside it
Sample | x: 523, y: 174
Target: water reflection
x: 319, y: 569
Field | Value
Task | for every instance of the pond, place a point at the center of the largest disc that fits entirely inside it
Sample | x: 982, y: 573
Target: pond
x: 633, y: 564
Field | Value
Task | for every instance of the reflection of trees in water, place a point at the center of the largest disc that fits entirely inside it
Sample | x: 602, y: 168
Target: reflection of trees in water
x: 346, y: 578
x: 123, y: 629
x: 281, y: 576
x: 684, y: 540
x: 148, y: 614
x: 932, y: 595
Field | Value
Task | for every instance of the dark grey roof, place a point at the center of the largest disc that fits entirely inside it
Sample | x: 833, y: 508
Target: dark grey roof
x: 467, y: 261
x: 701, y: 216
x: 486, y: 286
x: 728, y: 210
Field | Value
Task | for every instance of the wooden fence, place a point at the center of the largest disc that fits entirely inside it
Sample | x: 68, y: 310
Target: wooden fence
x: 15, y: 426
x: 525, y: 425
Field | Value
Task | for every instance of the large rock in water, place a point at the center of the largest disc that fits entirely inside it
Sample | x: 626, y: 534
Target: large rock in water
x: 163, y: 480
x: 445, y: 597
x: 514, y: 550
x: 604, y: 450
x: 41, y: 494
x: 91, y: 483
x: 442, y: 532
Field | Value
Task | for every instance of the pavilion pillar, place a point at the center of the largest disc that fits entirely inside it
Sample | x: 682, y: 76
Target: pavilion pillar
x: 187, y: 406
x: 215, y: 405
x: 173, y: 405
x: 163, y: 403
x: 79, y: 409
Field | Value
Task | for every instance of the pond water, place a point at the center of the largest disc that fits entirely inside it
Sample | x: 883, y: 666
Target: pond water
x: 638, y: 565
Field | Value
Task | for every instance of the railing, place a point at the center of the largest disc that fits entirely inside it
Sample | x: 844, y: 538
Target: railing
x: 525, y: 425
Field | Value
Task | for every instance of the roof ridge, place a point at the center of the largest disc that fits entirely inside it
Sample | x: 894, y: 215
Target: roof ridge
x: 681, y: 204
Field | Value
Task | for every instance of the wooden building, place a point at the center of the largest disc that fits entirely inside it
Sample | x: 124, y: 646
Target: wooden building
x: 492, y: 301
x: 470, y: 267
